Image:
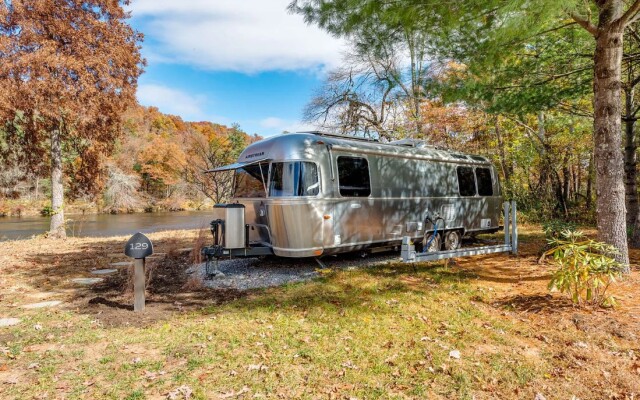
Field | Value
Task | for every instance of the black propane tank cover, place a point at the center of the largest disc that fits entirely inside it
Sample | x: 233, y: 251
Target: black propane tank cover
x: 139, y: 246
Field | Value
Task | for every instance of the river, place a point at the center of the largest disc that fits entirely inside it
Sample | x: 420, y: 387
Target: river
x: 12, y: 228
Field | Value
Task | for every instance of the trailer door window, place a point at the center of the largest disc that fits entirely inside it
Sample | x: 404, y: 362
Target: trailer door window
x: 250, y: 181
x: 485, y: 185
x: 353, y: 177
x: 466, y: 181
x: 295, y: 178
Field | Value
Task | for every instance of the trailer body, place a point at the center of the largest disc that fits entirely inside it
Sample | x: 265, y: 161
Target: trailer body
x: 313, y: 194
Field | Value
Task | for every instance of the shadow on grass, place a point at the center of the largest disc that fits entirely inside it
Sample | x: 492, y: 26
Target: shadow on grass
x: 535, y: 303
x: 168, y: 293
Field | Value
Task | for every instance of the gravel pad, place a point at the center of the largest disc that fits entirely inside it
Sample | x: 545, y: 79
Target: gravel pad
x: 253, y: 273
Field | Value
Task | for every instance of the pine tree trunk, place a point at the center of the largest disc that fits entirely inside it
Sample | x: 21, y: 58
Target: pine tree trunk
x: 503, y: 158
x: 575, y: 176
x: 631, y: 175
x: 56, y: 229
x: 590, y: 174
x: 609, y: 165
x: 566, y: 179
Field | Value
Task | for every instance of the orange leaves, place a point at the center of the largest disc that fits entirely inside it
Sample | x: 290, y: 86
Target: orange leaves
x: 162, y: 160
x: 451, y: 125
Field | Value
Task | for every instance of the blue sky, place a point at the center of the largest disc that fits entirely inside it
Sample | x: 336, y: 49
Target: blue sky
x: 226, y: 61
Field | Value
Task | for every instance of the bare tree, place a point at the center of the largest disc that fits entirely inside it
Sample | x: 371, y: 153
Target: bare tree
x: 212, y: 147
x: 121, y: 191
x: 379, y: 89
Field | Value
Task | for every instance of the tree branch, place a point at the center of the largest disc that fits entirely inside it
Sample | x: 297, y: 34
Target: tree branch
x: 630, y: 15
x: 586, y: 24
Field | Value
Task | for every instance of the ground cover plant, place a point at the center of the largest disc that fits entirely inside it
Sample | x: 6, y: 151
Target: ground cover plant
x: 483, y: 327
x: 586, y: 268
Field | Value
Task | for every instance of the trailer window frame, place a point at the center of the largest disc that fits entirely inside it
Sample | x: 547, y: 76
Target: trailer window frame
x: 264, y: 180
x: 270, y: 177
x: 473, y: 176
x: 490, y: 181
x: 369, y: 186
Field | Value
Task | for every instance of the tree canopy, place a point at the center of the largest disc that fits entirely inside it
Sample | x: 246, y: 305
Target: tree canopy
x: 518, y: 57
x: 69, y: 71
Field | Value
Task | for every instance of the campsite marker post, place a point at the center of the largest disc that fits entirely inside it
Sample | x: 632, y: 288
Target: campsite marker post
x: 139, y: 247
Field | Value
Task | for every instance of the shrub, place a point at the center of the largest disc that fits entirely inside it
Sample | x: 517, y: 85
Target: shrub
x: 46, y: 211
x: 586, y: 268
x: 553, y: 229
x: 121, y: 191
x: 202, y: 239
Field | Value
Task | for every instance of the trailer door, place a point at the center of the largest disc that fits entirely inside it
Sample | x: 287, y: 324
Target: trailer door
x: 352, y: 214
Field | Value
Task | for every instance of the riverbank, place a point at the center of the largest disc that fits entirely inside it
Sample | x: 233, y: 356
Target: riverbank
x: 483, y: 327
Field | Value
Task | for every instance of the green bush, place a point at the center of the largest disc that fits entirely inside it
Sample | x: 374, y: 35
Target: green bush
x: 553, y: 229
x: 586, y: 268
x: 47, y: 211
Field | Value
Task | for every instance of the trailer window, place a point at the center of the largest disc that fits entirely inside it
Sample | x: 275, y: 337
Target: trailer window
x: 353, y: 177
x: 466, y: 181
x: 249, y: 181
x: 296, y: 178
x: 485, y: 185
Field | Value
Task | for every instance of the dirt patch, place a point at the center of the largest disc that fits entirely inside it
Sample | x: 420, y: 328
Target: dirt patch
x: 166, y: 294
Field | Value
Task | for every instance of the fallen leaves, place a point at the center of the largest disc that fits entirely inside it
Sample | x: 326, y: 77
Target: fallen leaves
x: 149, y: 375
x: 182, y: 392
x: 232, y: 393
x: 10, y: 380
x: 257, y: 367
x: 392, y: 303
x: 349, y: 364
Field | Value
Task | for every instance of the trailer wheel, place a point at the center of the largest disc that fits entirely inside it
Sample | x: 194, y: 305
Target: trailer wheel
x: 434, y: 245
x: 452, y: 240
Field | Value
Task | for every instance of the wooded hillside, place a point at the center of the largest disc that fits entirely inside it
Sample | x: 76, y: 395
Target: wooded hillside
x: 157, y: 164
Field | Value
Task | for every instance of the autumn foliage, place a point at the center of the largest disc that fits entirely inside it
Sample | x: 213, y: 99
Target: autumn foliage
x: 69, y: 71
x: 168, y: 157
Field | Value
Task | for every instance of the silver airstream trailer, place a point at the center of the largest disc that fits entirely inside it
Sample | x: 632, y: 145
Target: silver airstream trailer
x: 312, y: 194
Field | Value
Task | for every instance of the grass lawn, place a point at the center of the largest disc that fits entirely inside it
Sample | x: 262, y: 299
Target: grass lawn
x: 485, y: 327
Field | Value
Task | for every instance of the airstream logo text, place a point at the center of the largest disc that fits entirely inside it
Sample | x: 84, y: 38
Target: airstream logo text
x: 254, y: 155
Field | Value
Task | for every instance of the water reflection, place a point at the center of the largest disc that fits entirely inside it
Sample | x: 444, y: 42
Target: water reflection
x: 12, y: 228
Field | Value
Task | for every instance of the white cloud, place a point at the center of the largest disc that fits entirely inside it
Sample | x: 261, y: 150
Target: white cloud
x: 172, y: 101
x: 247, y: 36
x: 277, y: 125
x: 272, y: 123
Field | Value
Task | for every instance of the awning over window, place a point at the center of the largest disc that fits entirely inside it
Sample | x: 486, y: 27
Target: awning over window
x: 236, y: 165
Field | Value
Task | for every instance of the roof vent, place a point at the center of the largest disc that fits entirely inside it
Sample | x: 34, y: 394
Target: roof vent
x: 420, y: 144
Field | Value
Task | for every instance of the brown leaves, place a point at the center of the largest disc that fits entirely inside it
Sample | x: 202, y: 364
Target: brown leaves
x: 257, y: 367
x: 182, y: 392
x: 69, y: 68
x: 233, y: 394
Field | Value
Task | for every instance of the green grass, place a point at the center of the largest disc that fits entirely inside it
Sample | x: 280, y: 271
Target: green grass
x: 383, y: 332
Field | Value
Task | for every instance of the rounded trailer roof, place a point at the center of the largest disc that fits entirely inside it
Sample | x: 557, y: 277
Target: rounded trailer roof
x: 305, y: 145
